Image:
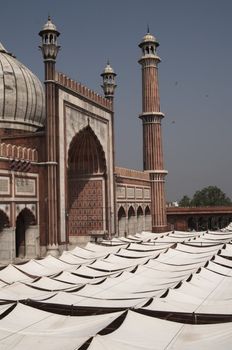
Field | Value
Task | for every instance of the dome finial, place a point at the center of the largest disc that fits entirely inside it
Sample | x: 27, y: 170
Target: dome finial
x: 148, y: 29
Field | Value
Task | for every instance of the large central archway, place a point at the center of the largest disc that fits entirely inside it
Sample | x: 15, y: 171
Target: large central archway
x: 86, y: 184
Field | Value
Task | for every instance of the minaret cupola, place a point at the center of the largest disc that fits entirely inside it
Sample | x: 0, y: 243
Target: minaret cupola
x: 149, y: 45
x: 109, y: 85
x: 49, y: 45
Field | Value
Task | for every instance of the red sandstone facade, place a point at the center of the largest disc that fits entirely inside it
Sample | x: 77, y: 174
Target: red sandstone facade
x: 58, y: 182
x: 198, y: 218
x: 133, y: 195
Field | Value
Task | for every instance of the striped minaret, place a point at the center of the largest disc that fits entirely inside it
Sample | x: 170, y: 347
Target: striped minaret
x: 152, y: 135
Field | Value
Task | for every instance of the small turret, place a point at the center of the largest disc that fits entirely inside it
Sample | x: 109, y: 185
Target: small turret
x: 49, y: 45
x: 109, y: 85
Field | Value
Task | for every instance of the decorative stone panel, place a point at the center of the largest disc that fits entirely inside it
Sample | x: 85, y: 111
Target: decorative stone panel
x: 25, y: 186
x: 139, y: 193
x: 147, y: 193
x: 4, y: 185
x: 121, y: 192
x: 130, y: 192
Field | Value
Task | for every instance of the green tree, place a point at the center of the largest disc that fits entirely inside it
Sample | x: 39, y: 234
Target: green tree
x: 210, y: 196
x: 185, y: 202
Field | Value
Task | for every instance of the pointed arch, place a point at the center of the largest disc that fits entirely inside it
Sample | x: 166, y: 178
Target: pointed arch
x: 147, y: 218
x: 86, y: 155
x: 121, y: 222
x: 140, y: 219
x: 86, y: 184
x: 4, y: 220
x: 131, y: 220
x: 147, y: 210
x: 139, y: 211
x: 24, y: 219
x: 121, y: 212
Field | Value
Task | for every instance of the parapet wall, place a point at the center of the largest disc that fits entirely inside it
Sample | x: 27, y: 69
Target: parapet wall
x: 136, y: 174
x: 82, y: 90
x: 18, y: 152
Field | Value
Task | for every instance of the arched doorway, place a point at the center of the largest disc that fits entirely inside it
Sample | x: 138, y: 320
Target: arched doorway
x: 147, y: 219
x: 4, y: 220
x: 139, y: 219
x: 25, y: 219
x: 86, y: 185
x: 192, y: 224
x: 6, y: 238
x: 122, y: 222
x: 202, y: 223
x: 131, y: 221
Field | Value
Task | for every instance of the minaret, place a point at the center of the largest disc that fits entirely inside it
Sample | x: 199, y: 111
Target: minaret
x: 152, y: 135
x: 109, y: 86
x: 50, y: 48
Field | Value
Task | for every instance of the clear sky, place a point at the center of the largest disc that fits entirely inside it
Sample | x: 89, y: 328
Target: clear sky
x: 195, y: 74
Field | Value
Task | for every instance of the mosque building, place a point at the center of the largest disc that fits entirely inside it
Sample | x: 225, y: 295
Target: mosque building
x: 59, y: 186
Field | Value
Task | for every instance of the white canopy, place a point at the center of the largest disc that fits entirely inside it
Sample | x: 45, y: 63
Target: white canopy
x: 143, y: 332
x: 148, y: 272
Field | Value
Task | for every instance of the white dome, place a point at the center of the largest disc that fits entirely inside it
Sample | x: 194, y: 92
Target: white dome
x: 22, y: 101
x: 149, y: 38
x: 108, y: 70
x: 49, y: 26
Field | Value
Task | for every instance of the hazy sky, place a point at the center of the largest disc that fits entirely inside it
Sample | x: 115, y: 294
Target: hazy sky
x: 195, y: 74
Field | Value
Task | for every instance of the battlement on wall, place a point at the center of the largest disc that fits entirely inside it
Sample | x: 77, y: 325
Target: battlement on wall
x: 73, y: 85
x: 136, y: 174
x: 18, y: 152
